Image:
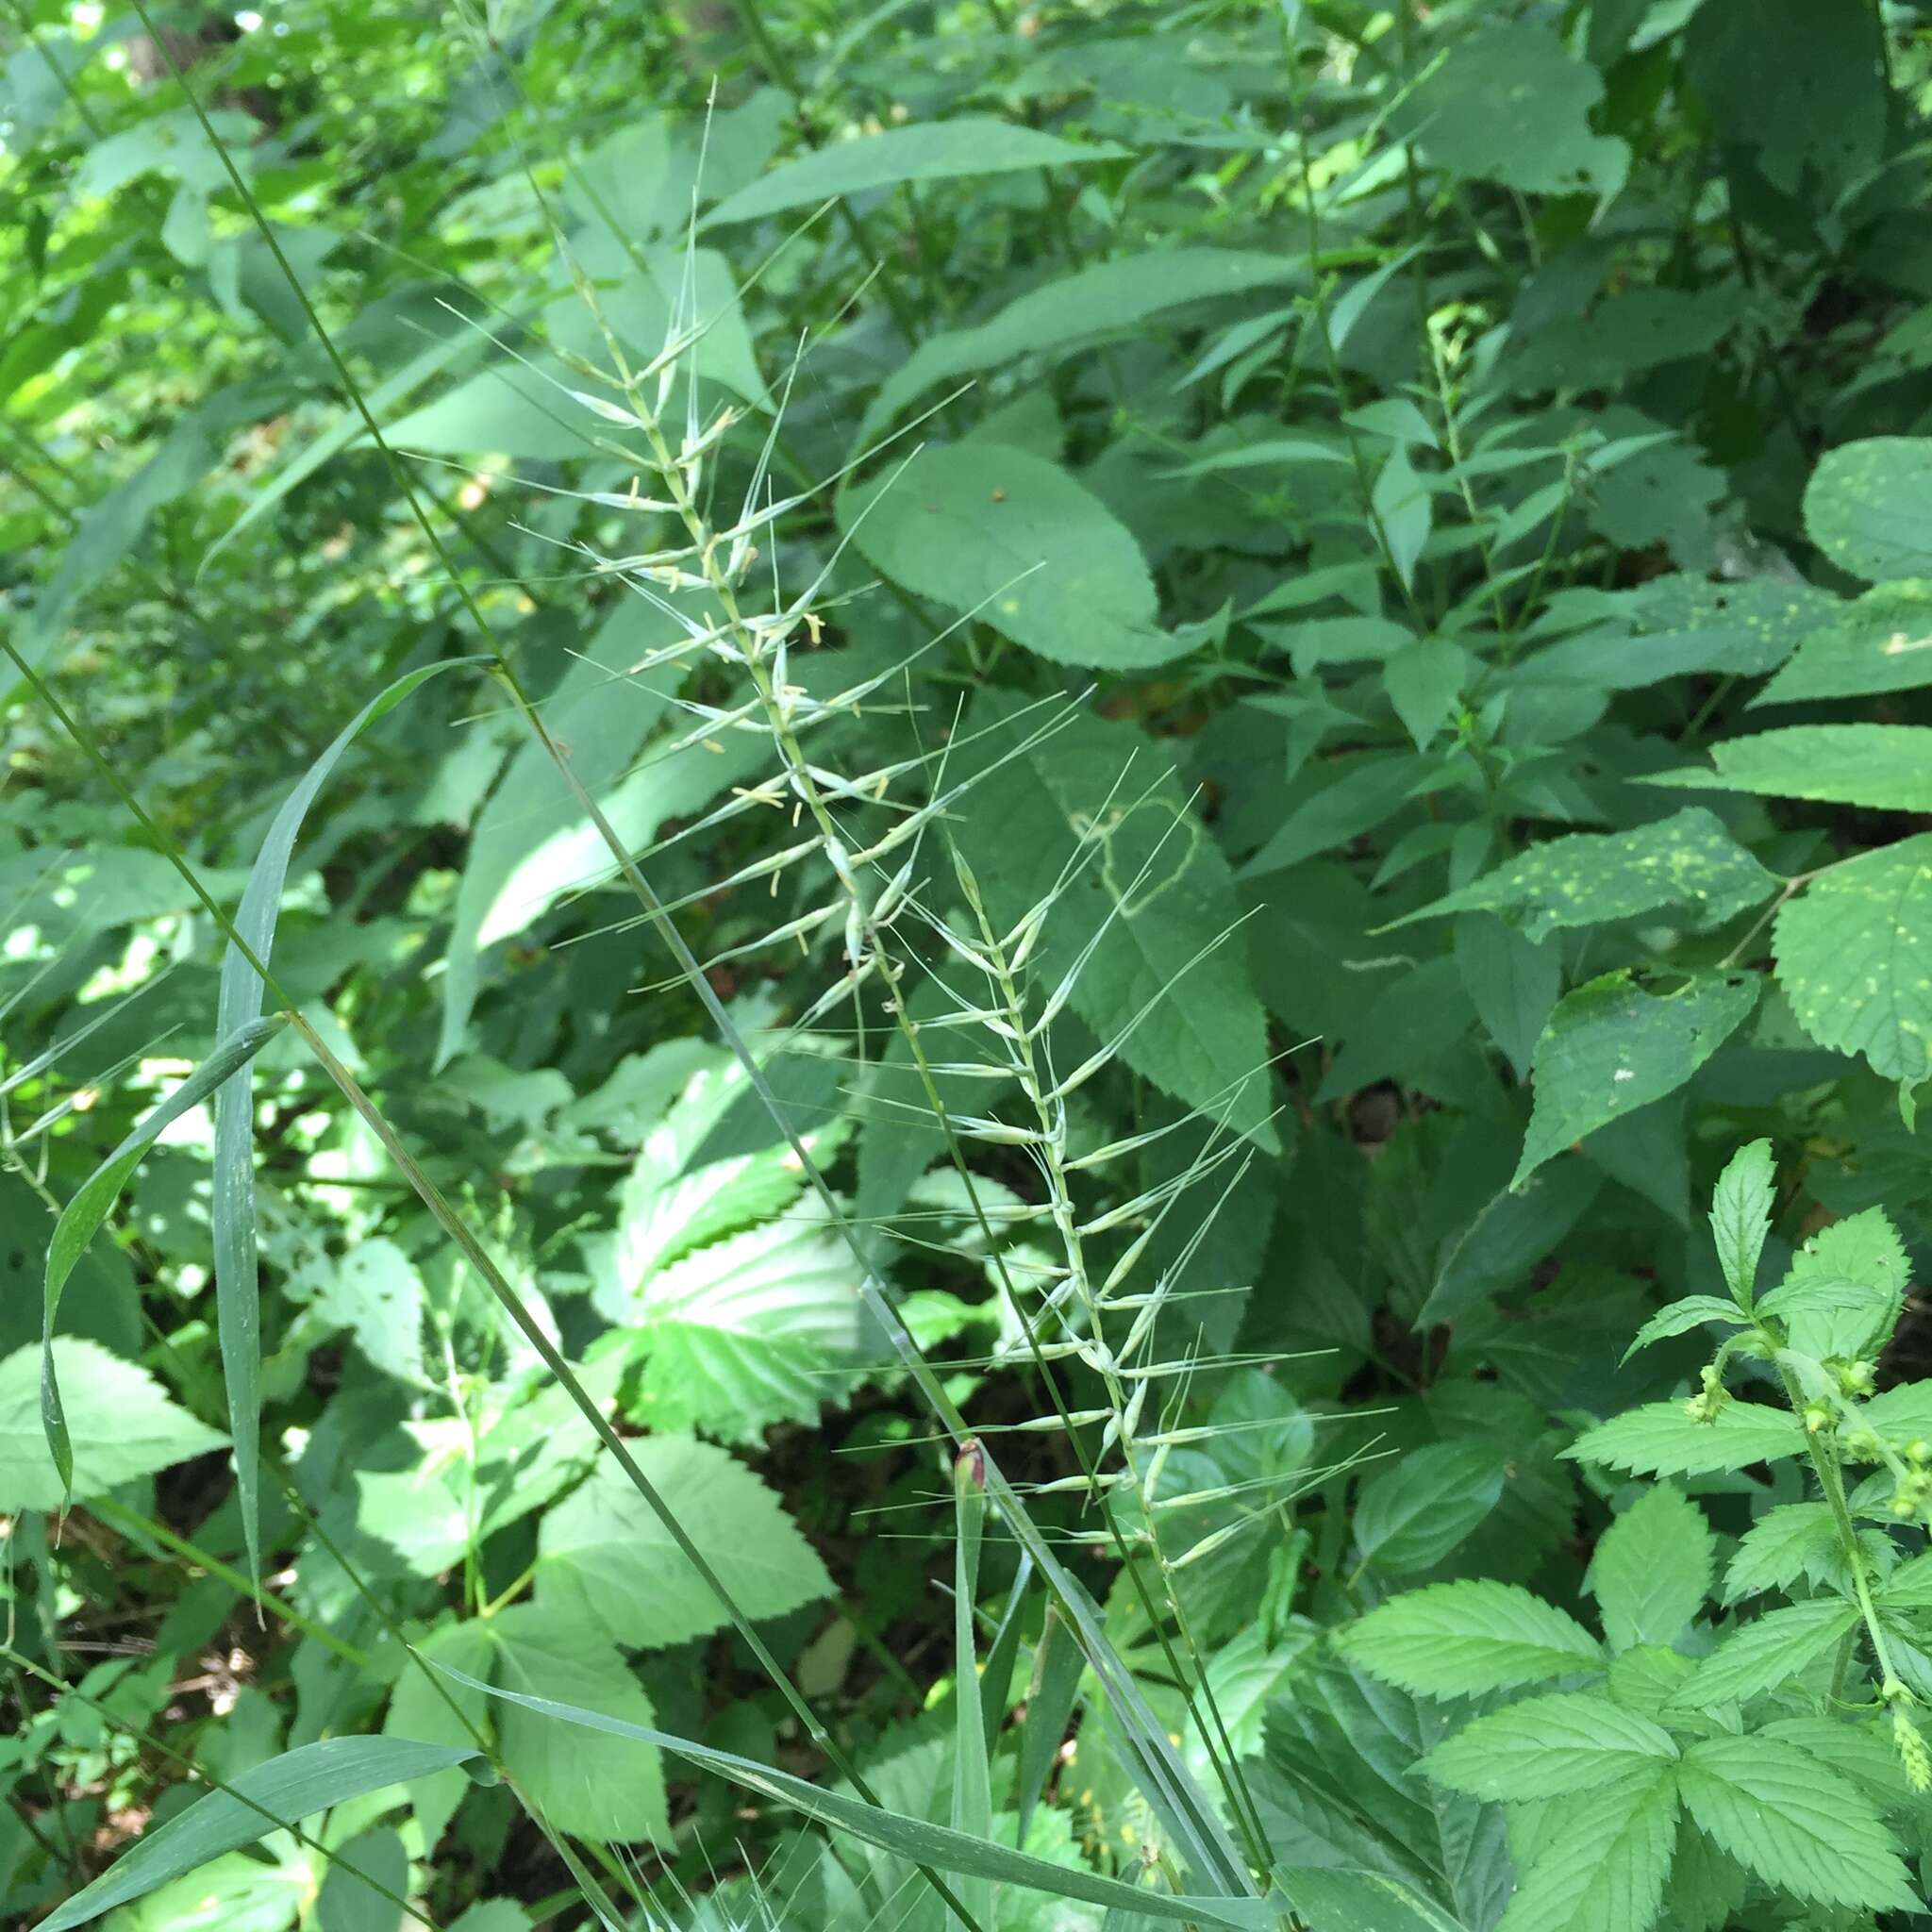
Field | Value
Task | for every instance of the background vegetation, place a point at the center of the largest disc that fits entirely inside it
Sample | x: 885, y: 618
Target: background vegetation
x: 882, y: 886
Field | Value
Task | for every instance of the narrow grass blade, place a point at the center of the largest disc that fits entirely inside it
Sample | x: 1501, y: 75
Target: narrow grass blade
x: 972, y: 1774
x: 282, y: 1792
x: 80, y: 1220
x: 237, y: 1282
x: 911, y: 1838
x: 1049, y: 1704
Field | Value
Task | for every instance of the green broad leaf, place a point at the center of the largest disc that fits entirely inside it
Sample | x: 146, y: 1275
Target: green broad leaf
x: 280, y: 1794
x: 420, y: 1708
x: 1091, y: 304
x: 121, y: 1425
x: 1513, y: 983
x: 1791, y: 1541
x: 1545, y: 1747
x: 1850, y: 956
x: 1458, y: 1639
x: 1781, y: 1644
x: 1862, y: 1252
x: 1800, y: 92
x: 364, y: 1879
x: 1424, y: 679
x: 601, y: 1786
x: 1652, y: 1570
x: 1687, y: 861
x: 1881, y: 642
x: 936, y: 1846
x: 1403, y: 509
x: 1861, y: 506
x: 1706, y: 1886
x: 1414, y: 1512
x: 1334, y: 801
x: 93, y: 1201
x: 608, y: 1565
x: 1882, y: 766
x: 932, y: 151
x: 1012, y: 539
x: 238, y: 1284
x: 760, y: 1327
x: 1604, y: 1868
x: 1794, y: 1822
x: 530, y: 845
x: 1611, y: 1047
x: 1336, y: 1896
x: 375, y: 1293
x: 1740, y: 1210
x: 1680, y: 1317
x: 1136, y: 928
x: 1509, y: 1235
x: 1511, y: 104
x: 1661, y: 1439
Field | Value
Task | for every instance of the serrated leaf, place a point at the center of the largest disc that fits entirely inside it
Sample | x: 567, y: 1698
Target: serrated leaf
x: 1680, y: 1317
x: 1457, y: 1640
x: 120, y: 1422
x: 1881, y: 641
x: 288, y: 1789
x: 1706, y: 1886
x: 1854, y: 956
x: 930, y: 151
x: 1603, y: 1871
x: 1861, y: 506
x: 1652, y: 1570
x: 607, y: 1563
x: 1611, y: 1047
x: 760, y: 1327
x: 1688, y: 860
x: 1545, y: 1747
x: 1796, y: 1822
x: 1414, y: 1512
x: 1659, y: 1439
x: 995, y: 531
x: 596, y: 1786
x: 1778, y: 1645
x: 1740, y: 1216
x: 1882, y: 766
x: 1779, y: 1548
x: 1863, y: 1249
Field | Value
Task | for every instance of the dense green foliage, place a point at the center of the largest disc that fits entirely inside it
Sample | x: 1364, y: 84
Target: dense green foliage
x: 964, y: 966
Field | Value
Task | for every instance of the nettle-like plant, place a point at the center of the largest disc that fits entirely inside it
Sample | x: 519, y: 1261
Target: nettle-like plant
x: 1690, y: 1759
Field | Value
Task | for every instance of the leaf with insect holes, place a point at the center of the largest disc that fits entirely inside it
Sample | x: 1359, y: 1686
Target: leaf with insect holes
x: 1686, y: 863
x: 929, y: 151
x: 1603, y: 1870
x: 1661, y: 1438
x: 1652, y: 1570
x: 1882, y: 642
x: 1012, y: 540
x: 1862, y: 506
x: 1885, y: 767
x: 1546, y: 1747
x: 1511, y: 104
x: 1456, y: 1640
x: 1151, y: 897
x: 1780, y: 1644
x: 1611, y: 1047
x: 1794, y: 1822
x: 1854, y: 956
x: 1741, y: 1209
